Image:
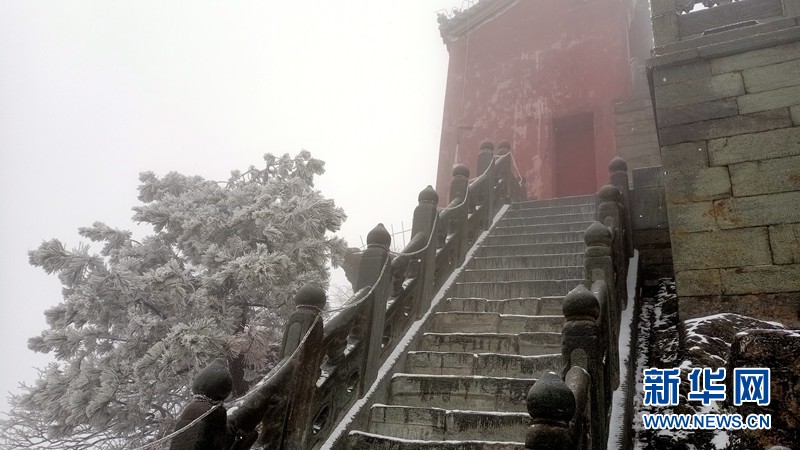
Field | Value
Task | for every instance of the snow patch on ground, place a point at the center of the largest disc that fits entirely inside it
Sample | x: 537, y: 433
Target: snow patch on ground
x: 616, y: 427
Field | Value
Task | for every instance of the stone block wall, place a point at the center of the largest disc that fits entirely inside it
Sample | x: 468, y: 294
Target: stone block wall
x: 635, y: 132
x: 728, y: 119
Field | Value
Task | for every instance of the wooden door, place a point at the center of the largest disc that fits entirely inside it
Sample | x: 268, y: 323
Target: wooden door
x: 574, y: 155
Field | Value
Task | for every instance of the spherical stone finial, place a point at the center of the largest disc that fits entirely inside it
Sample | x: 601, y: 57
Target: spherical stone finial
x: 504, y: 147
x: 609, y: 193
x: 460, y: 170
x: 311, y: 294
x: 617, y: 165
x: 551, y: 399
x: 487, y: 146
x: 428, y: 195
x: 215, y: 381
x: 597, y: 235
x: 379, y: 236
x: 581, y: 302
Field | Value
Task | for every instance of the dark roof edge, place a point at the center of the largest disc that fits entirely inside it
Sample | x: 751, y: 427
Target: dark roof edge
x: 451, y: 28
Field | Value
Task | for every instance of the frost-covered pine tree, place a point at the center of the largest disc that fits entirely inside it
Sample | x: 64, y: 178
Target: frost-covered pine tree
x: 141, y: 318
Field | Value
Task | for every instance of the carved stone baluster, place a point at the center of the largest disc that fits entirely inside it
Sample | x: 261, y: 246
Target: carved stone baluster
x: 424, y: 218
x: 551, y: 405
x: 610, y: 213
x: 582, y: 346
x: 485, y: 156
x: 310, y: 301
x: 210, y: 387
x: 458, y: 224
x: 506, y: 172
x: 618, y: 174
x: 373, y: 260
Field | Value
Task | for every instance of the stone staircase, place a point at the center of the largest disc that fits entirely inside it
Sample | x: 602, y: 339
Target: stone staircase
x: 465, y: 385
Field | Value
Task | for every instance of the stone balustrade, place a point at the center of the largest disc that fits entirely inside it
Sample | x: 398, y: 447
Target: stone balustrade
x: 574, y: 413
x: 328, y: 364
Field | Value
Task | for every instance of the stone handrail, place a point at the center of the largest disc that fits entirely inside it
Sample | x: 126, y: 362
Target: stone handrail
x: 327, y: 365
x: 590, y: 336
x: 677, y: 20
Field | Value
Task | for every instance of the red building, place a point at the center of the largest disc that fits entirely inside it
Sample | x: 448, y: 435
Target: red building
x: 544, y: 76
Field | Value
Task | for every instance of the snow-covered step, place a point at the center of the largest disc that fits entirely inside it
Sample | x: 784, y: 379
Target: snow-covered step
x: 538, y: 238
x: 532, y: 249
x: 563, y: 201
x: 528, y: 343
x: 408, y: 422
x: 540, y: 273
x: 481, y: 322
x: 523, y: 305
x: 550, y: 210
x: 538, y: 229
x: 486, y: 364
x: 472, y: 393
x: 543, y: 220
x: 522, y: 261
x: 498, y: 290
x: 368, y: 441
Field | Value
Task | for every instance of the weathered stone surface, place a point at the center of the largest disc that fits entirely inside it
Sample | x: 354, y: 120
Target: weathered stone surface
x: 696, y: 112
x: 698, y: 185
x: 765, y: 177
x: 686, y: 156
x: 773, y: 306
x: 762, y: 101
x: 728, y: 126
x: 698, y: 282
x: 794, y: 111
x: 726, y: 14
x: 774, y: 76
x: 645, y: 126
x: 724, y: 248
x: 686, y: 72
x: 785, y: 242
x: 758, y: 210
x: 732, y: 35
x: 690, y: 217
x: 756, y: 58
x: 699, y: 91
x: 755, y: 146
x: 758, y: 279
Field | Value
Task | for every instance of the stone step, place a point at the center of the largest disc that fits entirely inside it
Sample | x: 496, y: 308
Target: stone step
x: 550, y: 210
x: 539, y: 238
x: 536, y: 343
x: 359, y: 440
x: 526, y: 261
x: 546, y: 220
x: 524, y: 305
x: 538, y: 229
x: 407, y: 422
x: 510, y: 274
x: 482, y: 322
x: 563, y: 201
x: 531, y: 249
x: 485, y: 364
x: 471, y: 393
x: 498, y: 290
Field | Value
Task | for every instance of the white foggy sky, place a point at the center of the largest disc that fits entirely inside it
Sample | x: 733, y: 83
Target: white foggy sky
x: 92, y: 93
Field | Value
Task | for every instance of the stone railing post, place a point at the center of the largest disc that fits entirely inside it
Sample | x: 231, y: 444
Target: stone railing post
x: 506, y: 172
x: 310, y: 301
x: 371, y: 266
x: 582, y: 346
x: 618, y: 175
x: 210, y: 387
x: 599, y: 266
x: 424, y: 222
x: 458, y: 224
x: 485, y: 156
x: 579, y: 382
x: 551, y: 405
x: 611, y: 212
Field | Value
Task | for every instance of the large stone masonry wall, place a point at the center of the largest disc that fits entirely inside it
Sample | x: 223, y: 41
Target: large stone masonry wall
x: 728, y: 119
